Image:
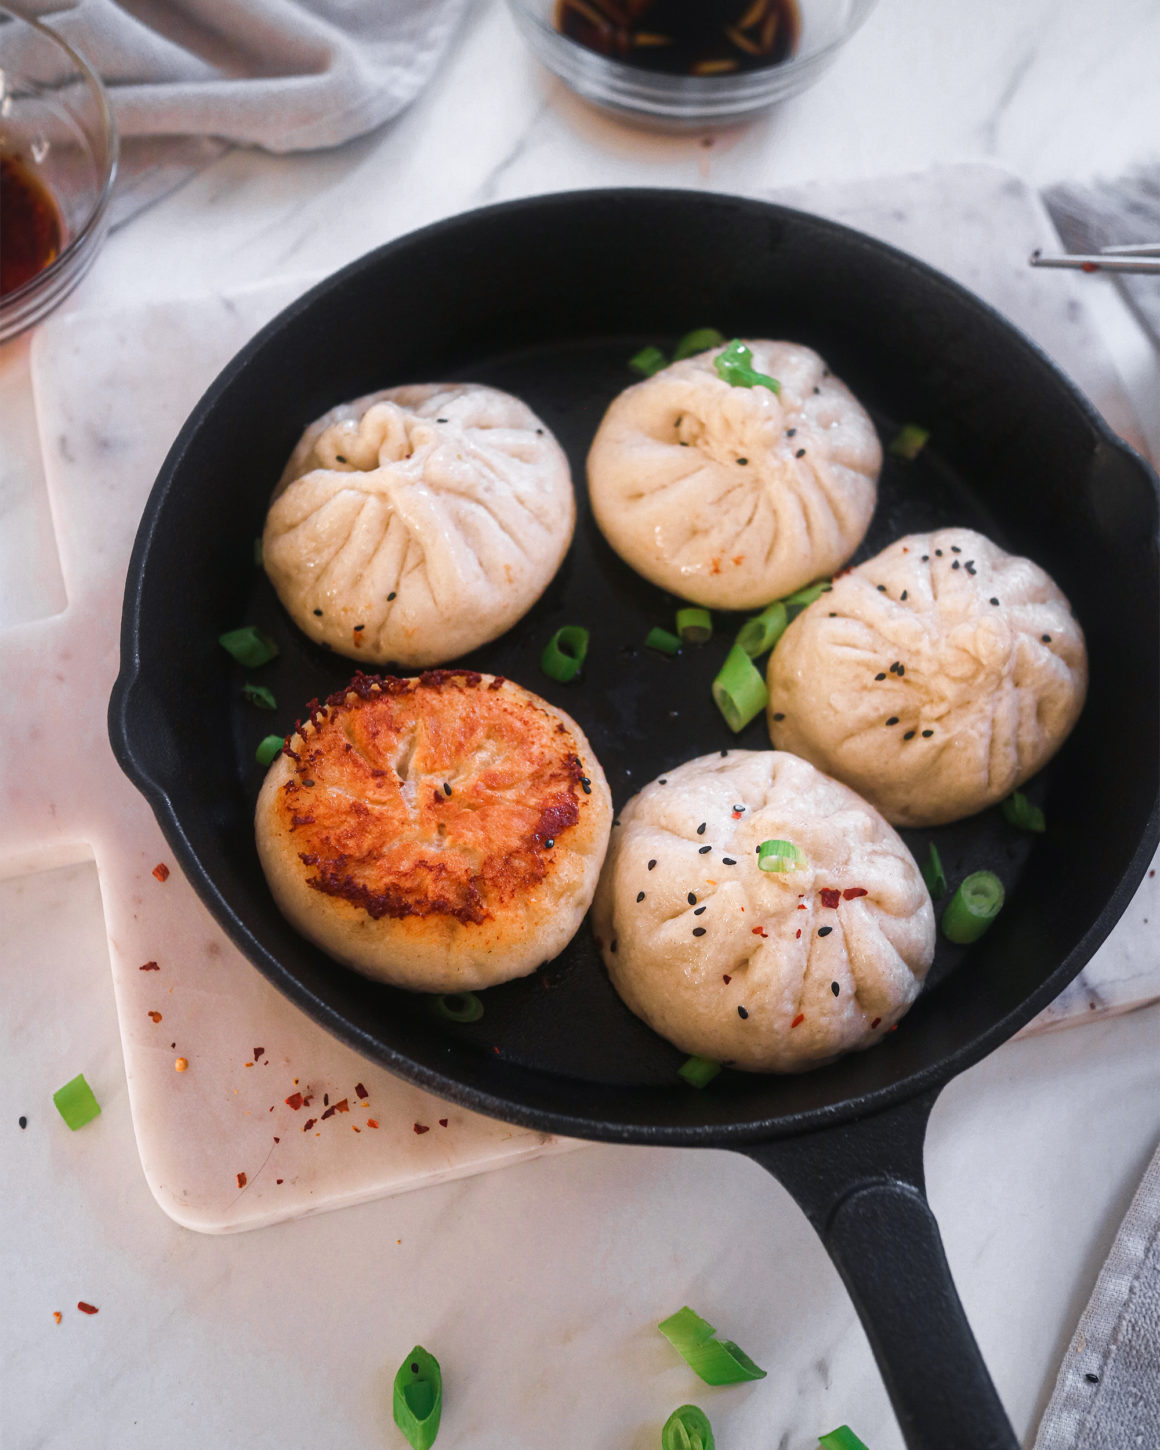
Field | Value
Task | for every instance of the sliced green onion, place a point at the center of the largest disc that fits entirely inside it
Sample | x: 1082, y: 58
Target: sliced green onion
x: 933, y: 873
x: 809, y: 593
x: 258, y: 552
x: 564, y: 653
x: 1018, y: 811
x: 269, y: 749
x: 843, y: 1438
x: 716, y: 1361
x: 764, y: 630
x: 419, y: 1398
x: 260, y: 696
x: 695, y: 626
x: 75, y: 1102
x: 739, y: 690
x: 647, y: 361
x: 909, y: 442
x: 780, y: 856
x: 458, y: 1007
x: 661, y: 639
x: 687, y: 1429
x: 973, y: 907
x: 699, y: 340
x: 249, y: 646
x: 697, y: 1071
x: 735, y: 366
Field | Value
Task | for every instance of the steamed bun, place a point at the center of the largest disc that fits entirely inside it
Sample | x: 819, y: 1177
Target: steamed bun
x: 933, y: 679
x: 733, y: 496
x: 414, y: 524
x: 767, y: 971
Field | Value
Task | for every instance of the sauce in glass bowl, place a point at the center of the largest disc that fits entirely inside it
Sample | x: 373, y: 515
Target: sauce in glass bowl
x: 33, y: 230
x: 685, y: 37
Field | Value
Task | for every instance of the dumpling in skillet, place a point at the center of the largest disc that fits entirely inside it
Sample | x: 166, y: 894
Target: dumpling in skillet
x: 933, y: 679
x: 414, y: 524
x: 764, y: 970
x: 733, y: 496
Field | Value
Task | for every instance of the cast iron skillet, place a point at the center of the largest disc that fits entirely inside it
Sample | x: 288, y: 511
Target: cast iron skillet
x: 548, y: 298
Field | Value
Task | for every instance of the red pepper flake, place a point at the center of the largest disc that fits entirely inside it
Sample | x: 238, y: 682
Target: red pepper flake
x: 894, y: 1028
x: 421, y: 1127
x: 830, y: 896
x: 258, y: 1051
x: 294, y: 1101
x: 343, y: 1107
x: 360, y: 1091
x: 726, y: 978
x: 241, y: 1180
x: 279, y: 1180
x: 797, y: 934
x: 875, y: 1023
x: 372, y: 1123
x: 442, y: 1122
x: 736, y: 815
x: 355, y: 1128
x: 330, y: 1112
x: 308, y: 1124
x: 277, y: 1140
x: 154, y: 1016
x: 161, y: 871
x: 87, y: 1308
x: 56, y: 1314
x: 801, y: 906
x: 798, y: 1020
x: 854, y: 891
x: 149, y: 967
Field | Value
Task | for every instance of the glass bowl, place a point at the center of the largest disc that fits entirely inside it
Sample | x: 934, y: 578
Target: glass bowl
x: 676, y: 101
x: 57, y: 136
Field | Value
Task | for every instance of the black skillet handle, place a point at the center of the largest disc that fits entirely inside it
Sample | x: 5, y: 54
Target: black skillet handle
x: 861, y: 1186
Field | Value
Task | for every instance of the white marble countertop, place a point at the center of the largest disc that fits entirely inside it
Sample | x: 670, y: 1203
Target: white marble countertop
x: 539, y: 1286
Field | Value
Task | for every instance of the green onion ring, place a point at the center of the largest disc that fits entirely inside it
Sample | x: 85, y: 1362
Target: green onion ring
x: 249, y: 646
x: 843, y: 1438
x: 418, y: 1398
x: 739, y: 690
x: 687, y: 1428
x: 764, y: 630
x: 661, y: 639
x: 695, y: 626
x: 808, y: 594
x: 698, y: 1071
x: 735, y: 367
x: 76, y: 1103
x: 699, y: 340
x: 780, y: 856
x: 457, y: 1007
x: 259, y: 695
x: 269, y: 749
x: 716, y: 1361
x: 564, y: 653
x: 648, y: 361
x: 933, y: 873
x: 1019, y: 812
x: 973, y: 907
x: 909, y: 442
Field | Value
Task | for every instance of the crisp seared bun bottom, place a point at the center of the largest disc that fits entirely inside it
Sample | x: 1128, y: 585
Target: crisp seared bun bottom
x: 441, y: 833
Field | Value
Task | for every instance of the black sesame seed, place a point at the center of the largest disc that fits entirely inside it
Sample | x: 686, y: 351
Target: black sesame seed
x: 789, y: 432
x: 683, y: 443
x: 444, y: 420
x: 1046, y: 638
x: 586, y: 784
x: 664, y: 780
x: 700, y: 910
x: 817, y: 390
x: 22, y: 1120
x: 833, y: 615
x: 319, y: 613
x: 882, y: 588
x: 359, y: 627
x: 338, y: 458
x: 724, y: 753
x: 699, y: 931
x: 742, y: 1013
x: 909, y: 735
x: 903, y: 594
x: 893, y: 720
x: 1092, y: 1379
x: 926, y: 558
x: 307, y: 782
x: 969, y: 566
x: 728, y: 861
x: 704, y: 850
x: 994, y: 601
x: 801, y: 453
x: 414, y: 1369
x: 926, y: 734
x: 880, y: 677
x: 612, y: 945
x: 540, y: 431
x: 938, y: 553
x: 640, y: 895
x: 901, y: 671
x: 391, y: 595
x: 550, y: 842
x: 738, y: 808
x: 955, y: 565
x: 825, y: 930
x: 955, y: 549
x: 701, y: 828
x: 743, y: 461
x: 692, y: 898
x: 651, y: 864
x: 894, y: 668
x: 446, y: 788
x: 835, y: 988
x: 779, y: 716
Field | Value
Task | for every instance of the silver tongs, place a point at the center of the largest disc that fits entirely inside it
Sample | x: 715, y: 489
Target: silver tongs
x: 1140, y: 258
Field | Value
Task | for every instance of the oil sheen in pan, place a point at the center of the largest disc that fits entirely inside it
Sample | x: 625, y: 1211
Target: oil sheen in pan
x: 643, y: 712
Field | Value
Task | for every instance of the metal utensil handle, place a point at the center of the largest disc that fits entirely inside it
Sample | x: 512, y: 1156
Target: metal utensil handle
x: 861, y: 1186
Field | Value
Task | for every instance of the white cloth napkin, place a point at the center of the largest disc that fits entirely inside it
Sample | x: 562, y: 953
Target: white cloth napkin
x: 189, y: 77
x: 1107, y: 1396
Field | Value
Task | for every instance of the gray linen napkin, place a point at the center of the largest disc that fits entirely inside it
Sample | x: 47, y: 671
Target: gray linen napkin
x: 1107, y: 1396
x: 189, y: 77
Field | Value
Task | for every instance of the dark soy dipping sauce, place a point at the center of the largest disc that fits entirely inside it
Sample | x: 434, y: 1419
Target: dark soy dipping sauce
x: 685, y: 37
x: 30, y: 224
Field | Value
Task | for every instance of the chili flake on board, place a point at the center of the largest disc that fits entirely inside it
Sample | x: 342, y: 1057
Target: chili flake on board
x: 161, y: 871
x: 87, y: 1308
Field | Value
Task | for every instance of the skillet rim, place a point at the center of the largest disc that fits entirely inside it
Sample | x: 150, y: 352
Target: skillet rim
x: 127, y: 748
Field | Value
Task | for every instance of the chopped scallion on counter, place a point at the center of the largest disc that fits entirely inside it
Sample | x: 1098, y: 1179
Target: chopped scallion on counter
x: 269, y: 749
x: 973, y: 907
x: 909, y: 442
x: 419, y: 1398
x: 843, y: 1438
x: 663, y: 640
x: 458, y: 1007
x: 933, y: 873
x: 780, y: 856
x: 697, y: 1071
x: 739, y: 690
x: 647, y: 361
x: 259, y: 695
x: 699, y: 340
x: 764, y: 630
x: 687, y: 1428
x: 75, y: 1102
x: 1019, y: 812
x: 695, y: 626
x: 249, y: 646
x: 807, y: 595
x: 735, y: 366
x: 564, y: 653
x: 716, y: 1361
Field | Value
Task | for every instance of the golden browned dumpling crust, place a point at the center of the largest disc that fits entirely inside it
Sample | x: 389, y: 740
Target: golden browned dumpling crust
x: 442, y: 832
